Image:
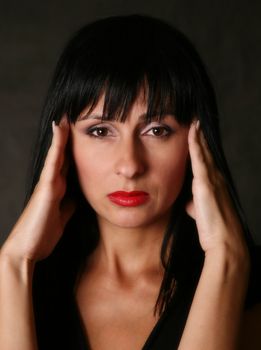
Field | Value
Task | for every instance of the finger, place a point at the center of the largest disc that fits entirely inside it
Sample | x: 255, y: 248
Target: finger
x: 197, y: 156
x: 67, y: 158
x: 205, y: 148
x: 55, y: 156
x: 190, y: 209
x: 65, y: 167
x: 214, y: 174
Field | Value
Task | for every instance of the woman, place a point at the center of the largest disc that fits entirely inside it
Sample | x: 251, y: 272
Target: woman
x: 133, y: 236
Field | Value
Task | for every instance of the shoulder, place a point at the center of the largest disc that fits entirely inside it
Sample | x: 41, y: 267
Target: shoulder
x: 250, y: 335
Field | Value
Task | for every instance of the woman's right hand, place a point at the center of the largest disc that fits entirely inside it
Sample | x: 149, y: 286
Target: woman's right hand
x: 42, y: 222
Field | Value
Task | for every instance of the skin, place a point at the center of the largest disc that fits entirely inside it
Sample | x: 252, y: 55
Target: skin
x: 124, y: 272
x: 214, y: 319
x: 216, y: 312
x: 130, y: 156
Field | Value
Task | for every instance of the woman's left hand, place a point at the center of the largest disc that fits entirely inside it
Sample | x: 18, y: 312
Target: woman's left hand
x: 211, y: 206
x: 214, y: 319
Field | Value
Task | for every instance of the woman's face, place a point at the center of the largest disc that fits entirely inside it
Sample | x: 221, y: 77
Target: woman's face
x: 111, y: 156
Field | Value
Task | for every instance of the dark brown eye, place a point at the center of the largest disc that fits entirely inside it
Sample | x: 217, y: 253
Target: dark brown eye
x: 102, y: 131
x: 159, y: 131
x: 98, y: 131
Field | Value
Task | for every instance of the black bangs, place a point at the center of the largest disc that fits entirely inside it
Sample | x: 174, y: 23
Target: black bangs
x: 144, y: 57
x: 122, y: 59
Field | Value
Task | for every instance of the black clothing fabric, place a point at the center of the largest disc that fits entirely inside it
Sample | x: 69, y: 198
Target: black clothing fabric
x: 166, y: 333
x: 58, y: 321
x: 168, y: 330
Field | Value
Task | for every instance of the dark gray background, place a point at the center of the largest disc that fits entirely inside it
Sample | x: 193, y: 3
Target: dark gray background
x: 227, y: 34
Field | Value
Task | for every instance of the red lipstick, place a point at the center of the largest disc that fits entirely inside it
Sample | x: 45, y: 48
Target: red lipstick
x: 129, y: 199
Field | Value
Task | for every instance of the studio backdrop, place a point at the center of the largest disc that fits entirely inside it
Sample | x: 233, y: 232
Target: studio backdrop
x: 226, y: 33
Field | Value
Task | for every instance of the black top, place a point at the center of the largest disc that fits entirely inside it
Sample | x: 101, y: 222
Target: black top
x: 166, y: 333
x: 59, y: 325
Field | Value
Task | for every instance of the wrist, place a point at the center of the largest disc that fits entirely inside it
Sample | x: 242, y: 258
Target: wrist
x: 228, y: 260
x: 21, y: 267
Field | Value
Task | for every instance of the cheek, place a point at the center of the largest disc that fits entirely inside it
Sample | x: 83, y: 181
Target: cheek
x: 171, y: 170
x: 174, y: 174
x: 90, y: 166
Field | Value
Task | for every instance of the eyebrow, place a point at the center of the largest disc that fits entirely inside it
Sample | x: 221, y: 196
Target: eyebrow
x: 142, y: 117
x: 89, y: 116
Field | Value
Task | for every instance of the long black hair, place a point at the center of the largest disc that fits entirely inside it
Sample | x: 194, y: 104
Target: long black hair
x: 117, y: 57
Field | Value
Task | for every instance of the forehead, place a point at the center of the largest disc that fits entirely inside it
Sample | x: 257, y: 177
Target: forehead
x: 138, y: 110
x: 140, y: 104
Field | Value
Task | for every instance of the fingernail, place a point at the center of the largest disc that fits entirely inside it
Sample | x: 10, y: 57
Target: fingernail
x: 198, y: 124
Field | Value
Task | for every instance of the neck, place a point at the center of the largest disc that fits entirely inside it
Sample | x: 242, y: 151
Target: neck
x: 130, y: 252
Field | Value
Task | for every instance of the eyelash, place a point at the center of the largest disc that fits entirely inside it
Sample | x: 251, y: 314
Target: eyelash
x: 90, y: 131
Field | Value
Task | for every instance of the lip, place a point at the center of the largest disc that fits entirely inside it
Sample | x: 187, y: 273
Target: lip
x: 129, y: 199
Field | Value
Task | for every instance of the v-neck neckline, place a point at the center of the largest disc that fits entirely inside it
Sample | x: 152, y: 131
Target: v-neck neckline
x: 84, y: 340
x: 155, y: 329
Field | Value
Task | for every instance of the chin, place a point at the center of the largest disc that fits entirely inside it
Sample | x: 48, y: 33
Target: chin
x: 130, y: 220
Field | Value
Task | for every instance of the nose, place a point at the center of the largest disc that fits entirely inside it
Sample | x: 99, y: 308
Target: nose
x: 131, y: 159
